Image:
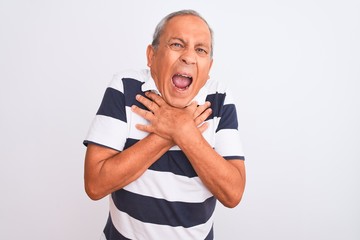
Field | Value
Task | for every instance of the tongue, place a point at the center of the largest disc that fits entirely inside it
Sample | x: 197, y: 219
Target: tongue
x: 181, y: 82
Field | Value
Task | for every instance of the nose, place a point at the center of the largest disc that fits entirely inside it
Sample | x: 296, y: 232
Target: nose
x: 188, y: 57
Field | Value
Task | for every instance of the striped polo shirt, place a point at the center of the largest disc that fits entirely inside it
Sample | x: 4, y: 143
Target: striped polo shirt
x: 168, y: 201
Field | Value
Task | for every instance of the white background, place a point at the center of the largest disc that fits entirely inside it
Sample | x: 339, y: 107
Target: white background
x: 295, y: 67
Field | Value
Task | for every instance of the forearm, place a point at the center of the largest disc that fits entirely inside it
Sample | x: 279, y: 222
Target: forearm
x: 108, y: 170
x: 224, y: 178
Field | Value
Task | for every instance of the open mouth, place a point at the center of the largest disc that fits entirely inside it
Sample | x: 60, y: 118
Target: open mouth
x: 182, y: 81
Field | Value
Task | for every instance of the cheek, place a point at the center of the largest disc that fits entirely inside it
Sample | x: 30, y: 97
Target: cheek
x: 201, y: 82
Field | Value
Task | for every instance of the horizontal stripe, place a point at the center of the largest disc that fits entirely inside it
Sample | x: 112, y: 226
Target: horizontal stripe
x: 159, y: 185
x: 234, y: 158
x: 132, y: 87
x: 107, y: 131
x: 112, y: 105
x: 117, y: 80
x: 174, y: 161
x: 160, y: 211
x: 117, y: 83
x: 138, y: 75
x: 86, y: 143
x: 228, y: 118
x: 217, y: 101
x: 133, y: 132
x: 209, y: 133
x: 230, y: 145
x: 213, y: 86
x: 134, y: 229
x: 111, y: 233
x: 229, y: 98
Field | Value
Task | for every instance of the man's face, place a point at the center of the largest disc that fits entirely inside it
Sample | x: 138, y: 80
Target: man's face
x: 181, y: 63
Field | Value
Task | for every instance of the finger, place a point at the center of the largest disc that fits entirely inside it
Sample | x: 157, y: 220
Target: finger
x: 144, y: 128
x: 200, y: 109
x: 192, y: 106
x: 143, y: 113
x: 148, y: 103
x: 203, y: 127
x: 155, y: 97
x: 203, y: 116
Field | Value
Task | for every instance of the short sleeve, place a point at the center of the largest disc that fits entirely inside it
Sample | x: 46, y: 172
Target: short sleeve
x: 227, y: 136
x: 109, y: 127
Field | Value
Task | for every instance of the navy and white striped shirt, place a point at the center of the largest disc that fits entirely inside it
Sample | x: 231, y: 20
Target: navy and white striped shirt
x: 169, y: 201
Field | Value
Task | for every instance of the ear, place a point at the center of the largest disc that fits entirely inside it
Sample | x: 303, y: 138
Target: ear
x: 149, y: 55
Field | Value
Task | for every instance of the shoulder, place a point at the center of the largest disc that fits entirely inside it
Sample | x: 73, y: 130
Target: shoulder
x: 218, y: 89
x: 129, y: 76
x: 214, y: 86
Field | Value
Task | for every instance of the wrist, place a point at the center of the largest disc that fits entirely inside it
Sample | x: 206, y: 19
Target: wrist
x: 189, y: 136
x: 161, y: 141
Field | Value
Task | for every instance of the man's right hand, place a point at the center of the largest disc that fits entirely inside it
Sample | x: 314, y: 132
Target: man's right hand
x: 170, y: 122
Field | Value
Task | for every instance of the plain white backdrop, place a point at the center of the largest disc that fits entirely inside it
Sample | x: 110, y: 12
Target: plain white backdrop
x: 295, y: 69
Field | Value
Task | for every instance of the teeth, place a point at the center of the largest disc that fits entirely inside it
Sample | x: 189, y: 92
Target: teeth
x: 184, y: 75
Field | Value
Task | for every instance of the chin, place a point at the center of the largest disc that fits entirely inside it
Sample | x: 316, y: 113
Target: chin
x: 178, y: 103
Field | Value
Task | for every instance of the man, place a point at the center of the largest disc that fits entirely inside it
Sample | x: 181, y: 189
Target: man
x: 164, y: 142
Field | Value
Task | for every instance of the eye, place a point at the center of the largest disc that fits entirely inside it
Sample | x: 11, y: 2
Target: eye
x: 201, y: 51
x: 176, y: 46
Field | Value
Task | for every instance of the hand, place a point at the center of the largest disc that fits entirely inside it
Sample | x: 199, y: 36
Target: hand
x: 170, y: 122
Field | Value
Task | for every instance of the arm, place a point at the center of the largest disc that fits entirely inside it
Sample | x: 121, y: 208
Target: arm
x: 107, y: 170
x: 224, y: 178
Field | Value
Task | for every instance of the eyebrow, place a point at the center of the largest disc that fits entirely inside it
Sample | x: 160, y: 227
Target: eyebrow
x: 176, y: 38
x: 184, y: 42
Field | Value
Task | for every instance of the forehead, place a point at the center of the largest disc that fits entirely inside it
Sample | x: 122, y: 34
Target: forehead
x: 185, y: 26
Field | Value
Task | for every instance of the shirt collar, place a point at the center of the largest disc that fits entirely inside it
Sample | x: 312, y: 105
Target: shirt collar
x: 149, y: 85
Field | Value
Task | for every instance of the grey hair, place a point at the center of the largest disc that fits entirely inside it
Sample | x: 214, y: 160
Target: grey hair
x: 161, y: 25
